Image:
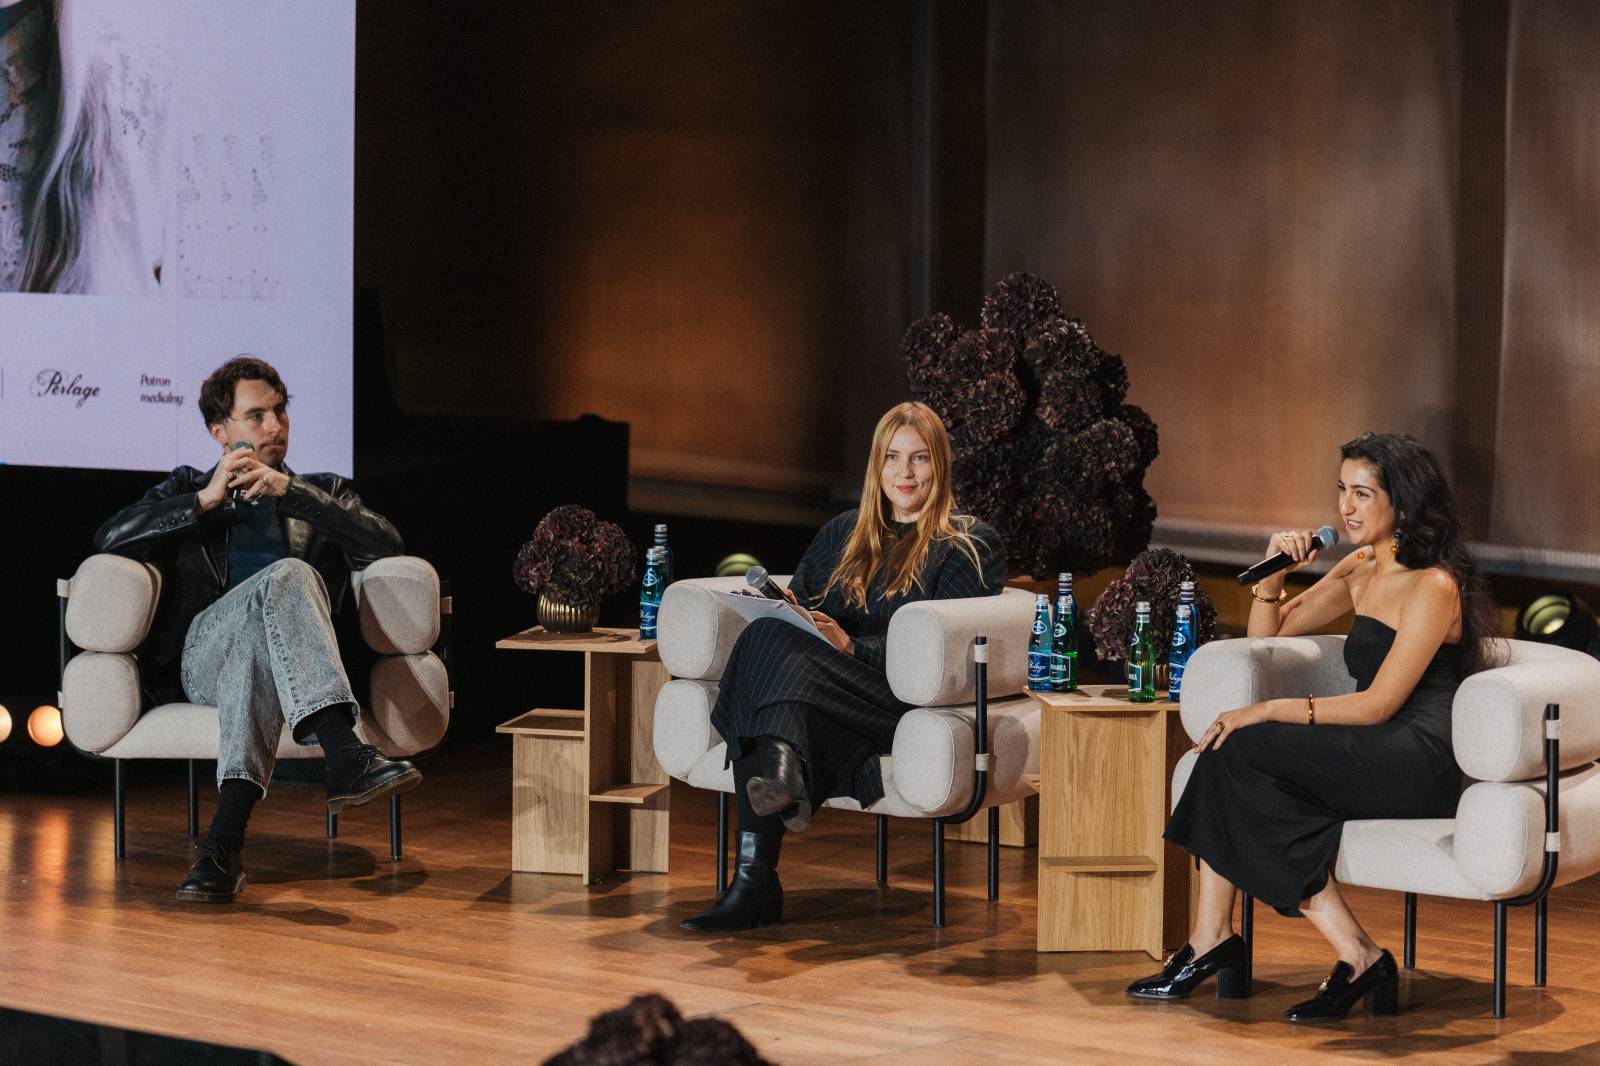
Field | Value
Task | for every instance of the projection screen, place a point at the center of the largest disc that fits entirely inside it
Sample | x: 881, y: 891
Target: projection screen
x: 175, y: 189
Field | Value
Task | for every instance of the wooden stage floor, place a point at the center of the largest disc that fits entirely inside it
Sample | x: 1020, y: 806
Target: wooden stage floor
x: 333, y: 955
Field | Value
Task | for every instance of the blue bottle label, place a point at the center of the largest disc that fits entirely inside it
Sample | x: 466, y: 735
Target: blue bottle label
x: 1135, y: 677
x: 1174, y: 681
x: 647, y: 619
x: 1039, y: 670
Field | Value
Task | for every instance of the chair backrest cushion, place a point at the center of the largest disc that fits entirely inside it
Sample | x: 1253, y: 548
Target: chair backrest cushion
x: 929, y: 649
x: 1497, y: 725
x: 1228, y: 674
x: 110, y: 603
x: 398, y: 601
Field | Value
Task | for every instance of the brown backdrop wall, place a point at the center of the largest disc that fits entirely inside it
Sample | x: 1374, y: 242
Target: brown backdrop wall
x: 689, y: 216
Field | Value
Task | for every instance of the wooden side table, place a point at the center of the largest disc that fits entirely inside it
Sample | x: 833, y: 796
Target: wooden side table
x: 587, y: 795
x: 1107, y: 881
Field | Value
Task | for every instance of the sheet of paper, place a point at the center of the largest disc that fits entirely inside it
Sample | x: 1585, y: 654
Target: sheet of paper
x: 752, y: 607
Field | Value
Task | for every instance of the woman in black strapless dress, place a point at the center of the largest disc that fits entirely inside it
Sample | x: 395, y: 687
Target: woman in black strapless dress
x: 1276, y: 781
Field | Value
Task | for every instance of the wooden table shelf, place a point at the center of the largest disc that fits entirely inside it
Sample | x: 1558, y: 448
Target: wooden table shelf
x: 1107, y: 881
x: 587, y: 795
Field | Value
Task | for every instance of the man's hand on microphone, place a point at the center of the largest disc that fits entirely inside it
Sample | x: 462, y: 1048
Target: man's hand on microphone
x: 216, y: 490
x: 257, y: 479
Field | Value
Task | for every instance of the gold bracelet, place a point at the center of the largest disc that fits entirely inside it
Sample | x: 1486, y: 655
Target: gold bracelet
x: 1311, y: 710
x: 1255, y: 593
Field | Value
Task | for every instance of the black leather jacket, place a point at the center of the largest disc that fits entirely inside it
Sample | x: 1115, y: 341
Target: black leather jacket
x: 323, y: 521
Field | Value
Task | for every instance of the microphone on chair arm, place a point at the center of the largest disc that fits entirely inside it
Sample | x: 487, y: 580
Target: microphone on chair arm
x: 756, y: 577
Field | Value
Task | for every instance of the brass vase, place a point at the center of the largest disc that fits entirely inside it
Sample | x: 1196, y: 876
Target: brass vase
x: 564, y: 618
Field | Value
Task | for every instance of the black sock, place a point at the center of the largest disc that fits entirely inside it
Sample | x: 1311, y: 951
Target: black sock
x: 336, y: 732
x: 236, y: 798
x: 744, y: 768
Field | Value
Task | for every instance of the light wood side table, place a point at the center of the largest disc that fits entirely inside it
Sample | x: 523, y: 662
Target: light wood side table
x: 1107, y: 881
x: 587, y: 794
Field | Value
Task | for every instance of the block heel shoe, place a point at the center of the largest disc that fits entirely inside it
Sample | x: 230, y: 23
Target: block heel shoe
x: 1182, y: 973
x: 1379, y: 986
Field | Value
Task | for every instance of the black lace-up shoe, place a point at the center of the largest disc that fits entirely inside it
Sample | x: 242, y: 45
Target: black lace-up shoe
x: 1183, y: 972
x: 216, y: 876
x: 1379, y: 986
x: 366, y: 774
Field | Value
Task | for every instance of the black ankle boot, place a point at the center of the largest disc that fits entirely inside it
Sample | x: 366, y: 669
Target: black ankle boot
x: 781, y: 787
x: 1380, y: 985
x: 755, y: 898
x: 1183, y: 972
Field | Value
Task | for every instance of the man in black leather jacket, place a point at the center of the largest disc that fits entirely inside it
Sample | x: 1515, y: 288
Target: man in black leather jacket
x: 255, y: 561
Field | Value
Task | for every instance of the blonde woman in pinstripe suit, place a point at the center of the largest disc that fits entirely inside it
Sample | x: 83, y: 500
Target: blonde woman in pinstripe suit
x: 806, y: 720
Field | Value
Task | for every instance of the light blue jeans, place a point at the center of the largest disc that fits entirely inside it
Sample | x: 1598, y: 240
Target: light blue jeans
x: 264, y: 655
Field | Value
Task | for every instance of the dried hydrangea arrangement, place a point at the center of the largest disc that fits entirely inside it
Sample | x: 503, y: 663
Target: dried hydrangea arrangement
x: 1046, y: 449
x: 574, y: 558
x: 1154, y: 576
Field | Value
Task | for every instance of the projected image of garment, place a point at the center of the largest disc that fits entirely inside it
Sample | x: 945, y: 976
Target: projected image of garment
x: 115, y: 178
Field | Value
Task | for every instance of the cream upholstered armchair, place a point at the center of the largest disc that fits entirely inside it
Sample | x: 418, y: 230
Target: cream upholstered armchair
x: 107, y: 608
x: 1526, y: 735
x: 942, y: 768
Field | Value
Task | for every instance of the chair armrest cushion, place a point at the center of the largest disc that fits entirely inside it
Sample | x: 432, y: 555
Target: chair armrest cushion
x: 409, y: 707
x: 1499, y: 839
x: 398, y: 602
x: 682, y: 732
x: 1497, y: 721
x: 929, y: 654
x: 1227, y: 674
x: 100, y: 699
x: 696, y: 632
x: 932, y: 759
x: 110, y: 603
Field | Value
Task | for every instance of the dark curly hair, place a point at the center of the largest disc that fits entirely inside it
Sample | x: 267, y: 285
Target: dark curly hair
x: 1430, y: 532
x: 216, y: 392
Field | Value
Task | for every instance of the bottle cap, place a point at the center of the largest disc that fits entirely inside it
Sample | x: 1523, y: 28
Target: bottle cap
x: 661, y: 527
x: 1042, y: 598
x: 652, y: 555
x: 1142, y: 607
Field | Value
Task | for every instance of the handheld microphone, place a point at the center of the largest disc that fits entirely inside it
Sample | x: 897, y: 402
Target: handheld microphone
x: 236, y: 494
x: 756, y: 577
x: 1326, y: 537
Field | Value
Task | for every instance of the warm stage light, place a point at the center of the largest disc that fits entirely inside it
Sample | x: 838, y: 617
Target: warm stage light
x: 44, y: 726
x: 5, y: 723
x: 1560, y: 618
x: 735, y: 565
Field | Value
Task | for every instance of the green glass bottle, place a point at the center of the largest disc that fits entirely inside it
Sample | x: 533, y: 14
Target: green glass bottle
x: 1141, y: 657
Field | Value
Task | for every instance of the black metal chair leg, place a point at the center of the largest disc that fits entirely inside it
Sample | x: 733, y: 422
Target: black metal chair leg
x: 1247, y: 932
x: 333, y: 825
x: 1411, y: 931
x: 194, y: 804
x: 118, y: 829
x: 394, y: 828
x: 883, y: 849
x: 1541, y: 939
x: 994, y: 853
x: 722, y: 842
x: 1499, y: 959
x: 938, y: 874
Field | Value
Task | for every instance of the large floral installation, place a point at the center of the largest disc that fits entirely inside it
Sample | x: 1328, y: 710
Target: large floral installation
x: 1046, y: 448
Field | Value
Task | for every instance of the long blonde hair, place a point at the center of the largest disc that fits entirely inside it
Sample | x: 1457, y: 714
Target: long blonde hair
x: 67, y: 171
x: 872, y: 547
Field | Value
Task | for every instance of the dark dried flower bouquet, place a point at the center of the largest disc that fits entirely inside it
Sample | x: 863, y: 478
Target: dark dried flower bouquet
x: 1153, y: 576
x: 1046, y: 450
x: 574, y: 558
